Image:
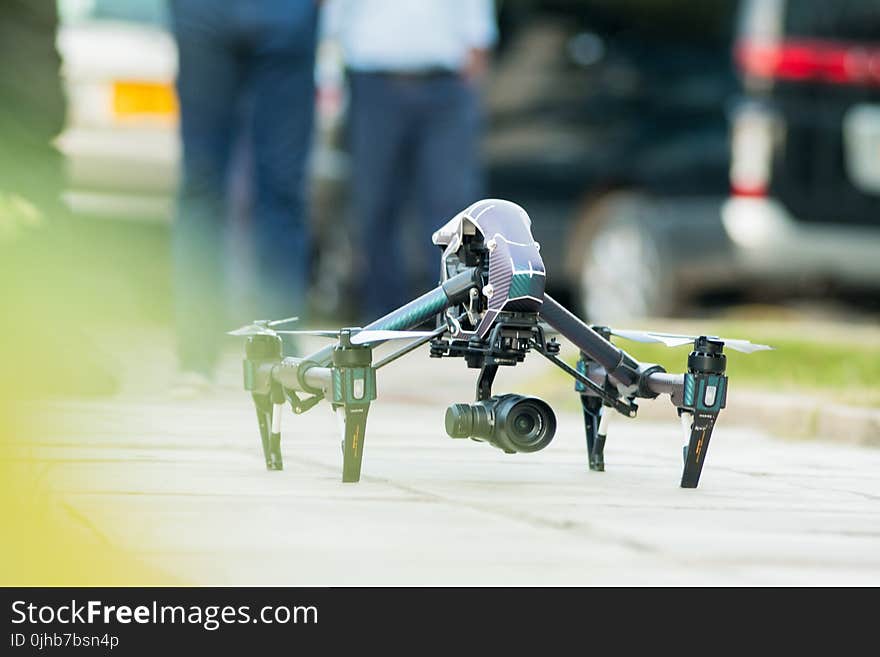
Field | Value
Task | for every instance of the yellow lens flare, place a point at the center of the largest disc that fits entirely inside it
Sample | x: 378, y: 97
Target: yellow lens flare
x: 47, y: 540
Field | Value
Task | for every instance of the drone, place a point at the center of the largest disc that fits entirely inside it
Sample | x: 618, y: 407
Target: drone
x: 491, y: 309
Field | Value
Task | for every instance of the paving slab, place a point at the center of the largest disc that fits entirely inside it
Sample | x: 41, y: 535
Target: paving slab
x: 181, y: 484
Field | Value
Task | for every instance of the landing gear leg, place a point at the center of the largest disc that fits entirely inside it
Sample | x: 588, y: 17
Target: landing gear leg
x: 595, y: 427
x: 269, y: 410
x: 355, y: 421
x: 698, y: 443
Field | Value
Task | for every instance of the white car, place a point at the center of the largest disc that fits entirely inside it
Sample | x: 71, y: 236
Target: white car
x: 120, y: 143
x: 121, y: 140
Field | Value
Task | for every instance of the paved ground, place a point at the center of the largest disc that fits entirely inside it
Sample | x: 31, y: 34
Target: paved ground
x: 183, y: 486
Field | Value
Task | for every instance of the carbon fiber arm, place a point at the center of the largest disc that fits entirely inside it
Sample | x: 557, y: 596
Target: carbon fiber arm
x: 312, y: 374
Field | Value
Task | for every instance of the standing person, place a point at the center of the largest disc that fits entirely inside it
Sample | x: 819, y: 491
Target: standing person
x: 257, y: 54
x: 42, y: 270
x: 414, y: 122
x: 32, y: 104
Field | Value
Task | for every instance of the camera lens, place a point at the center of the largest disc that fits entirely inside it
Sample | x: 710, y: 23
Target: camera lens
x: 523, y: 424
x: 459, y: 420
x: 512, y: 423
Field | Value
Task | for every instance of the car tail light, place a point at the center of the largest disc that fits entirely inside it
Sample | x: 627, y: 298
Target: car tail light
x: 810, y: 60
x: 752, y: 138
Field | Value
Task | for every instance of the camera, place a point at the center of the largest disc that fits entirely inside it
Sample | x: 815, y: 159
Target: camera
x: 513, y: 423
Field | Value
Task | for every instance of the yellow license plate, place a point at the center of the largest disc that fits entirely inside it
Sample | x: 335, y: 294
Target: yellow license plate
x: 144, y: 100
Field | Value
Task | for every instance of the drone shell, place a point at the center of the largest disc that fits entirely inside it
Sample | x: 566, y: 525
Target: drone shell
x: 516, y: 270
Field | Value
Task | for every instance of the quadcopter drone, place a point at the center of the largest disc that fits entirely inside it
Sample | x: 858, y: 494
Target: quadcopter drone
x: 491, y: 309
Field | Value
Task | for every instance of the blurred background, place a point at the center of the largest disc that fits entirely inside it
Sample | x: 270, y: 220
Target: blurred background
x: 706, y: 146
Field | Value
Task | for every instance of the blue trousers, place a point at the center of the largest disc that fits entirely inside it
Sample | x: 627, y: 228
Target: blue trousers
x: 258, y: 54
x: 411, y: 138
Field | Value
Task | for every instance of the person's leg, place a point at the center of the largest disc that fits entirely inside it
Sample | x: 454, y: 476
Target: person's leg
x: 448, y: 168
x: 378, y: 119
x: 208, y: 86
x: 281, y: 79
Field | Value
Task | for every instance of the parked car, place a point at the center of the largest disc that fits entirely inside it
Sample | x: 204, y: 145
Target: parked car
x: 805, y: 168
x: 607, y: 123
x: 660, y: 169
x: 120, y: 142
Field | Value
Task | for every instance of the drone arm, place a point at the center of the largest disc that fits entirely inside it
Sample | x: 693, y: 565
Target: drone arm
x: 663, y: 383
x: 417, y: 311
x: 301, y: 375
x: 403, y: 351
x: 314, y: 375
x: 589, y: 386
x: 646, y: 380
x: 620, y: 366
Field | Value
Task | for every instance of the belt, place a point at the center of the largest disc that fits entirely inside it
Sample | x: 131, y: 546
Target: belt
x: 418, y: 75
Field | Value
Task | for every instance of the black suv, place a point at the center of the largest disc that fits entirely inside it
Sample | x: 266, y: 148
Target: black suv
x: 666, y: 150
x: 805, y: 166
x: 607, y: 122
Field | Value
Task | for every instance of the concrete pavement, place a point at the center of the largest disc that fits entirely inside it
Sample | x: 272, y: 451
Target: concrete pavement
x: 182, y: 486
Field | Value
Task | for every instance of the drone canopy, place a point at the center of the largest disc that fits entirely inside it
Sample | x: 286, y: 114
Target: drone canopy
x: 516, y: 270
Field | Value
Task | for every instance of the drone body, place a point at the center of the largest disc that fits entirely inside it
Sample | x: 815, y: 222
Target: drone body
x: 489, y: 309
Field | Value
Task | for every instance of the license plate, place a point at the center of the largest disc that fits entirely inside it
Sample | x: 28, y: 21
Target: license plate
x: 861, y: 133
x: 133, y: 100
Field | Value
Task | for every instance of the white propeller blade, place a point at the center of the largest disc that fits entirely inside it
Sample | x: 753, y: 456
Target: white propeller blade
x: 261, y: 327
x: 279, y: 322
x: 746, y: 346
x: 367, y: 335
x: 643, y: 336
x: 378, y: 335
x: 678, y: 340
x: 317, y: 332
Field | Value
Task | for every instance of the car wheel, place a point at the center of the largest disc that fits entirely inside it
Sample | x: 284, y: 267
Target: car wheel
x: 623, y: 272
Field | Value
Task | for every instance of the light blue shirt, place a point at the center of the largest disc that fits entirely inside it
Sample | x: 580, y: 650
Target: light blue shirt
x: 409, y: 35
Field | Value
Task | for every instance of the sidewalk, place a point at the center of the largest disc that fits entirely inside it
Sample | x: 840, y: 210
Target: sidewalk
x: 180, y: 488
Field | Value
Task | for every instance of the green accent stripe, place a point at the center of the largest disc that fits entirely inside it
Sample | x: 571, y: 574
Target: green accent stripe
x: 413, y: 313
x: 689, y: 390
x: 520, y: 286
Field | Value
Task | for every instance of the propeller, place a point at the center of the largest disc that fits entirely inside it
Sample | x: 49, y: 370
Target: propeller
x: 365, y: 336
x: 261, y: 327
x: 678, y: 340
